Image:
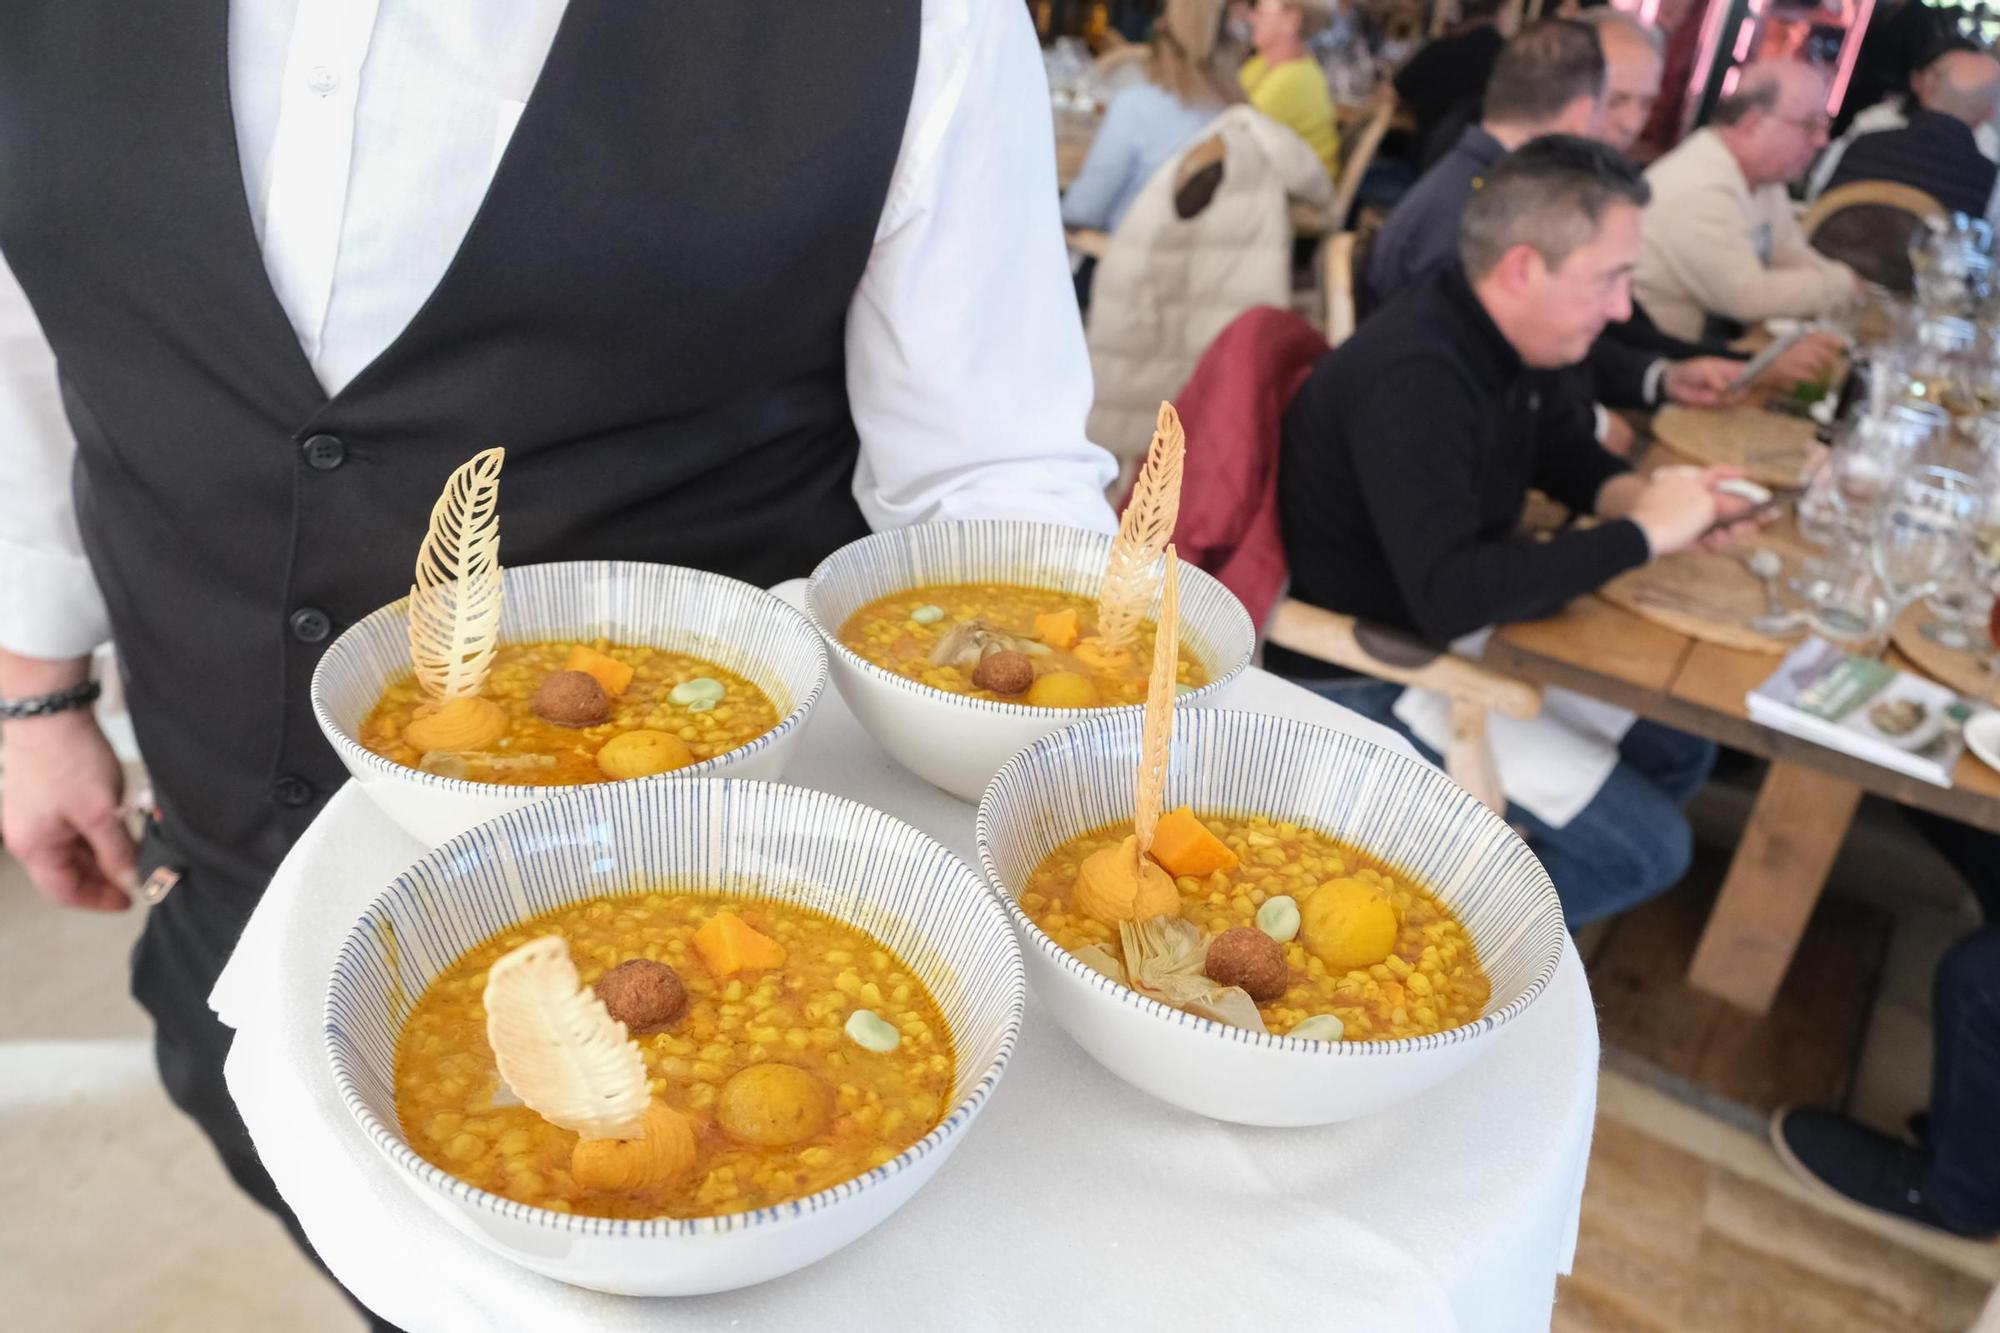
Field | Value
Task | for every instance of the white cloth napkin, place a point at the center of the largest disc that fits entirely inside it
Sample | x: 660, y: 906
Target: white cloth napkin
x: 1075, y: 1200
x: 1550, y: 765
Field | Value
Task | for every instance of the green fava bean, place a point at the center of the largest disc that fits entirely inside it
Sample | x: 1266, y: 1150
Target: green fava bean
x: 698, y: 695
x: 872, y: 1032
x: 1279, y: 918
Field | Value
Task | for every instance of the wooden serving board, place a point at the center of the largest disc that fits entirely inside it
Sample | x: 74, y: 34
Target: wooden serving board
x: 1964, y: 672
x: 1772, y: 449
x: 1705, y: 595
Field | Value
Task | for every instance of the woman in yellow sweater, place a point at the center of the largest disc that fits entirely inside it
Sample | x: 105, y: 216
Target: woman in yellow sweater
x: 1284, y: 81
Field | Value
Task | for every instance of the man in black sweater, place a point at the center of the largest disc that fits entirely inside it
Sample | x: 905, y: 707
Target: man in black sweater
x: 1409, y: 451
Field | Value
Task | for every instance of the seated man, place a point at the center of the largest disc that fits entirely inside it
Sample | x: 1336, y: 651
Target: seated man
x: 1409, y: 451
x: 1553, y: 79
x: 1548, y: 80
x: 1284, y: 81
x: 1937, y: 149
x: 1721, y: 250
x: 1444, y: 80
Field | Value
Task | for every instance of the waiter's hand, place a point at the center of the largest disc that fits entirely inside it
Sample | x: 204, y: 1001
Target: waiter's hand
x: 1701, y: 381
x: 59, y: 812
x: 1675, y: 509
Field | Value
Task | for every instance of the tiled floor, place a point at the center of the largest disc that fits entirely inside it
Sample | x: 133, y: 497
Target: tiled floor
x: 1688, y: 1223
x: 101, y: 1167
x: 1690, y: 1226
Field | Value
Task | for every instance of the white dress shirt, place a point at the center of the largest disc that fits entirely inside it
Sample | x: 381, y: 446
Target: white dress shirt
x: 966, y: 370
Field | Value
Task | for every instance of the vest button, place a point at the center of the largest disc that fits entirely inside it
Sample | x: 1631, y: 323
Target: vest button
x: 325, y: 452
x: 291, y: 792
x: 310, y: 624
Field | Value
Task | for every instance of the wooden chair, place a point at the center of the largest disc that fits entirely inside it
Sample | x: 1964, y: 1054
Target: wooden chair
x: 1868, y: 225
x: 1087, y: 241
x: 1473, y: 691
x: 1337, y: 272
x: 1195, y: 183
x: 1856, y: 194
x: 1361, y: 154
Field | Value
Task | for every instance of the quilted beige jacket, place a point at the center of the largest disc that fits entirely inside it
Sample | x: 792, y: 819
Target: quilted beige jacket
x: 1167, y: 285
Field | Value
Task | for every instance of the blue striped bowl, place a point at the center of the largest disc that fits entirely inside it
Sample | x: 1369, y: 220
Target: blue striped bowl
x: 1389, y: 805
x: 752, y: 838
x: 692, y: 611
x: 957, y: 742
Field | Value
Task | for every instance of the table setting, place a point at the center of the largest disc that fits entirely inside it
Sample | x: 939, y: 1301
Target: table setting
x: 812, y: 1025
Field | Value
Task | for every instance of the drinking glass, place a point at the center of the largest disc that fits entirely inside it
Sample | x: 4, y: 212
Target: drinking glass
x: 1870, y: 454
x: 1960, y: 601
x: 1923, y: 527
x: 1849, y: 607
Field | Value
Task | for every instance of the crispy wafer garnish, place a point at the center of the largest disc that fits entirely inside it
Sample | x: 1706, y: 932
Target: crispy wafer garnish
x: 455, y: 602
x: 1143, y: 532
x: 559, y: 1049
x: 1156, y: 740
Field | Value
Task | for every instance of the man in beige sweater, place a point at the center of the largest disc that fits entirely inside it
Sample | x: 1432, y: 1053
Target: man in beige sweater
x: 1721, y: 248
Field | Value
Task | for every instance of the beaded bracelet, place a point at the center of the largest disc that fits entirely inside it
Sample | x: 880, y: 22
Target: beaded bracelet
x: 42, y: 705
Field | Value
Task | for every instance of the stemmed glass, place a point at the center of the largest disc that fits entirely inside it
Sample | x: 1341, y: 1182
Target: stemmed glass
x: 1962, y: 599
x: 1873, y: 451
x: 1923, y: 526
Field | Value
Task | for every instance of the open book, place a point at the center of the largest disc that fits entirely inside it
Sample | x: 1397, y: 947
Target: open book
x: 1866, y: 708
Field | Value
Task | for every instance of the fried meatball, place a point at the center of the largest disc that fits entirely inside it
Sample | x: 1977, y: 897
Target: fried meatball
x: 572, y: 699
x: 1004, y: 673
x: 643, y: 995
x: 1247, y: 957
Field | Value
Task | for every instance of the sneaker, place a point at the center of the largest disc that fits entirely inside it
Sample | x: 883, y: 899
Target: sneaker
x: 1851, y: 1162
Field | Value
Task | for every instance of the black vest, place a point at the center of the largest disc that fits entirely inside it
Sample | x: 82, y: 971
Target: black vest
x: 648, y: 312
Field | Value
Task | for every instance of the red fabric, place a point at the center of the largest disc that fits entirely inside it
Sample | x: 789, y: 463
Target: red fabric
x: 1233, y: 409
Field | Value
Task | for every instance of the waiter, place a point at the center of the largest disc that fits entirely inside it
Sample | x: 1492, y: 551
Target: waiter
x: 731, y: 283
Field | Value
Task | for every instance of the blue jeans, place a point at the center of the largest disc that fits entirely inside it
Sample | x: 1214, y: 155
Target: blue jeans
x: 1630, y: 843
x: 1965, y: 1083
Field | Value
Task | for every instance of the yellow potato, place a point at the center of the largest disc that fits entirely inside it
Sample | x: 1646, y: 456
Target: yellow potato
x: 771, y: 1105
x: 1063, y: 689
x: 1347, y: 923
x: 640, y: 754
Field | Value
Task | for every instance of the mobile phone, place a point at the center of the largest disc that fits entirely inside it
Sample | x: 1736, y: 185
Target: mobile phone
x: 1761, y: 362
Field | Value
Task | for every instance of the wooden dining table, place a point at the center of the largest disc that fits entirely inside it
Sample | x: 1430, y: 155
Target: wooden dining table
x: 1803, y: 809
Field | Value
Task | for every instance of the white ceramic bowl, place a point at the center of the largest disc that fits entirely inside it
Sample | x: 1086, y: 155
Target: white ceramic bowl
x: 1388, y: 804
x: 844, y: 859
x: 957, y: 742
x: 692, y: 611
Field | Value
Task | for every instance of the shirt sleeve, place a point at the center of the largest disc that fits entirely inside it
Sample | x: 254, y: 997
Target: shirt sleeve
x: 49, y: 603
x: 1423, y: 497
x: 966, y: 369
x: 1106, y: 168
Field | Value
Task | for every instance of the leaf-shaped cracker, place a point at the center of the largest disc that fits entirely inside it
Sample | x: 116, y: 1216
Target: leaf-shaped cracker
x: 1164, y: 958
x: 1156, y: 740
x: 1143, y: 532
x: 559, y: 1049
x: 455, y: 602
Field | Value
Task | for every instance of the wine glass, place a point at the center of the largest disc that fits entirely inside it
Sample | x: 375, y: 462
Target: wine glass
x: 1963, y: 599
x: 1959, y: 602
x: 1872, y: 452
x: 1923, y: 526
